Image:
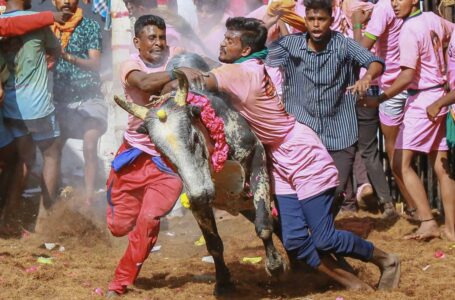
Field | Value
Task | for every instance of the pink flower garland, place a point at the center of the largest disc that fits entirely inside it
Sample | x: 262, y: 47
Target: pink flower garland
x: 215, y: 127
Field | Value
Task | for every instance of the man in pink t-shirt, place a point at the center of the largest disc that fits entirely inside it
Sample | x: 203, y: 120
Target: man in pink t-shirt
x: 304, y: 175
x: 141, y: 187
x: 423, y: 73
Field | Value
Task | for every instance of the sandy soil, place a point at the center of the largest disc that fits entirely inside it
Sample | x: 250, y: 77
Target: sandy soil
x: 177, y: 272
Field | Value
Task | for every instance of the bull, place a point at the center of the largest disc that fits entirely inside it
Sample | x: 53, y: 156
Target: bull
x: 175, y: 129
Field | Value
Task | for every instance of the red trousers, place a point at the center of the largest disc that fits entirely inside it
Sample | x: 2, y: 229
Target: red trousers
x: 138, y: 195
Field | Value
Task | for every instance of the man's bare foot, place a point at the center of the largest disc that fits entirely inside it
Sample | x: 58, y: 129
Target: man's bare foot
x: 428, y: 230
x: 389, y: 265
x: 390, y: 273
x: 360, y: 287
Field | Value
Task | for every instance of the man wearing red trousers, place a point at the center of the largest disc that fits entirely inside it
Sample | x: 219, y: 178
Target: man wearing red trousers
x: 141, y: 187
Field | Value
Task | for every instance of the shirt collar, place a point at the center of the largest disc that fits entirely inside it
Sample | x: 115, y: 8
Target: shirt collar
x: 414, y: 14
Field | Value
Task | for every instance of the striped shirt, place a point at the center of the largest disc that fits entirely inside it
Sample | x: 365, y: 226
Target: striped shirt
x: 314, y: 88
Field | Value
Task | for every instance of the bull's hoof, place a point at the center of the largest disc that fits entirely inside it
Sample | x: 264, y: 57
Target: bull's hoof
x: 276, y: 268
x: 223, y: 289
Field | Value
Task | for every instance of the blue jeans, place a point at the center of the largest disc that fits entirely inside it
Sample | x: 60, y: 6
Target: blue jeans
x: 308, y: 229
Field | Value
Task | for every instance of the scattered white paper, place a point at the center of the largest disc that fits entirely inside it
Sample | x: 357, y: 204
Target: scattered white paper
x: 156, y: 248
x: 208, y: 259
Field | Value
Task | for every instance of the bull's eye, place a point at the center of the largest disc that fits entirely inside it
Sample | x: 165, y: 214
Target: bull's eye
x: 195, y: 138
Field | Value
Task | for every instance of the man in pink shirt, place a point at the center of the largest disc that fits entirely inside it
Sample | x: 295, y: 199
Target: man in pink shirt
x: 304, y: 175
x: 422, y: 72
x: 141, y: 187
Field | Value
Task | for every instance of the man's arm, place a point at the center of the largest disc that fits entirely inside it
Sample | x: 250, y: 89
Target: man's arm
x: 20, y: 25
x: 197, y: 79
x: 409, y: 59
x: 366, y: 59
x: 94, y: 44
x: 278, y: 55
x: 434, y: 109
x: 403, y: 80
x: 151, y: 83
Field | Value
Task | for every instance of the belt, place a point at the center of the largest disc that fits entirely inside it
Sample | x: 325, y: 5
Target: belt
x: 413, y: 92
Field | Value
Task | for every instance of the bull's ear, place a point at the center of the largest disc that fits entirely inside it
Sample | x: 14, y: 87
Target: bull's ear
x: 195, y: 111
x: 142, y: 129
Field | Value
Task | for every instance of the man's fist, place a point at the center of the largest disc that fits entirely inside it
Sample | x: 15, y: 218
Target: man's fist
x: 61, y: 17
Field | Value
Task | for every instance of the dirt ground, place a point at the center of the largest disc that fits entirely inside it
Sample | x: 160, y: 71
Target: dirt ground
x: 84, y: 268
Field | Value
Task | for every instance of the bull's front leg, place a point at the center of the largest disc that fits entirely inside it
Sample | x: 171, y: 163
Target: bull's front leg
x: 203, y: 214
x: 260, y: 187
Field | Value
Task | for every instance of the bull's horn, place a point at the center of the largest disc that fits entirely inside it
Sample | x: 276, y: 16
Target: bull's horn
x: 132, y: 108
x: 182, y: 92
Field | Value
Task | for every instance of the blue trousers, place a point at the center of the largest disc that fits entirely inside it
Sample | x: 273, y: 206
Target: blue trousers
x: 308, y: 230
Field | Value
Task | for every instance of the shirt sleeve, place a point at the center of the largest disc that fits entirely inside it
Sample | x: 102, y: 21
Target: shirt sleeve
x: 362, y: 56
x: 409, y: 48
x: 95, y: 40
x: 126, y: 68
x: 278, y: 55
x: 378, y: 22
x: 19, y: 25
x: 233, y: 80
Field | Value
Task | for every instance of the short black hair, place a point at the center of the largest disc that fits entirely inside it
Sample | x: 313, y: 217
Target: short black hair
x: 254, y: 33
x: 147, y: 20
x: 144, y: 3
x: 319, y: 4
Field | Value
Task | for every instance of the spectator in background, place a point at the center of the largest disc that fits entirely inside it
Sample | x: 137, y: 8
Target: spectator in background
x: 81, y: 108
x: 9, y: 192
x: 425, y: 79
x: 212, y: 16
x: 28, y: 109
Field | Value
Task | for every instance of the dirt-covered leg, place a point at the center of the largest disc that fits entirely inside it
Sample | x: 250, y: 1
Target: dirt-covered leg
x: 206, y: 220
x: 274, y: 264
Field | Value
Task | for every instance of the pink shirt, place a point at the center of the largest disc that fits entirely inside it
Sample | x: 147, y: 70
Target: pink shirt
x: 384, y: 25
x: 133, y: 94
x: 421, y: 40
x: 254, y: 96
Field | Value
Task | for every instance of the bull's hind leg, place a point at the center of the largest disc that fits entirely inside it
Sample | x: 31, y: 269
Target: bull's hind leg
x: 206, y: 220
x: 260, y: 188
x: 274, y: 264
